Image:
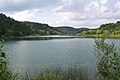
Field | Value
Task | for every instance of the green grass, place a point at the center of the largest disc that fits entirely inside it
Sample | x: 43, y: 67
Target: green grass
x: 100, y: 36
x: 61, y: 73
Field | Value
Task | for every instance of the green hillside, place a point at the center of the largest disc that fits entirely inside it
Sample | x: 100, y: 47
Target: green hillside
x: 70, y: 30
x: 110, y: 30
x: 10, y: 28
x: 42, y: 29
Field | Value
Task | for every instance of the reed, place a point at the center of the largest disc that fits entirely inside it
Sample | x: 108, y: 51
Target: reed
x: 62, y: 73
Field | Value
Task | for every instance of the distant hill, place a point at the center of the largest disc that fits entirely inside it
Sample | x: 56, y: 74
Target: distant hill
x: 10, y: 28
x: 42, y: 29
x: 70, y: 30
x: 111, y: 30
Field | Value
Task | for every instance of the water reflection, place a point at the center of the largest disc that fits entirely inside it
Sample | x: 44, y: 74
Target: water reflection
x: 44, y: 37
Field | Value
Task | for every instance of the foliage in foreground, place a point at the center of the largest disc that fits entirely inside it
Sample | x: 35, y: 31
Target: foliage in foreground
x: 108, y: 64
x: 69, y: 73
x: 5, y: 73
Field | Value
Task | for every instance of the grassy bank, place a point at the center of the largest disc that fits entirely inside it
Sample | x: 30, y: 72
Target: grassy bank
x: 60, y: 73
x: 100, y: 36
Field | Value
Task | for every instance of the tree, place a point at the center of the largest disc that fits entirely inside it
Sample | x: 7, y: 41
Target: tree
x: 5, y: 73
x: 108, y: 64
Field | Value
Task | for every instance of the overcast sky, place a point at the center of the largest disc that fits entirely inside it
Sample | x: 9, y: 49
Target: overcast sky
x: 76, y: 13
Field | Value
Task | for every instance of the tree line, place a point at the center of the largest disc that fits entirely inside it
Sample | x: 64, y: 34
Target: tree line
x: 10, y: 27
x: 109, y: 30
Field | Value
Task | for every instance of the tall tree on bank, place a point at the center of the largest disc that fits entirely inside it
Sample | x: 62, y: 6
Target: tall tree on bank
x: 108, y: 64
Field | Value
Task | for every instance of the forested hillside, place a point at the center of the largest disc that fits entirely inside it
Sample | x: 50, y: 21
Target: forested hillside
x: 42, y: 29
x: 10, y: 27
x: 70, y: 30
x: 111, y: 30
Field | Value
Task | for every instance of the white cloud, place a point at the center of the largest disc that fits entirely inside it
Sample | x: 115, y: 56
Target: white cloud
x: 90, y: 13
x: 117, y: 5
x: 21, y: 5
x: 103, y: 1
x: 24, y: 15
x: 92, y: 7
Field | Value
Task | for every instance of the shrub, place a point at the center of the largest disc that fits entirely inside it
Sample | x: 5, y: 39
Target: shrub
x: 108, y: 64
x: 5, y: 72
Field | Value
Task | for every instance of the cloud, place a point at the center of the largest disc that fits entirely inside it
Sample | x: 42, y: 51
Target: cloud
x: 77, y: 13
x: 73, y: 6
x: 91, y: 13
x: 20, y: 5
x: 24, y: 15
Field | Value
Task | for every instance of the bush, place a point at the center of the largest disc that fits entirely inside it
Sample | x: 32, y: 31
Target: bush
x: 5, y: 73
x: 108, y: 64
x: 69, y: 73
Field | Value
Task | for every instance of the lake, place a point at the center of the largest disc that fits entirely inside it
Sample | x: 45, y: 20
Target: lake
x: 51, y: 50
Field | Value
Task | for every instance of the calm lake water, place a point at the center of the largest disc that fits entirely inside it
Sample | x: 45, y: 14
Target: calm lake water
x: 52, y: 50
